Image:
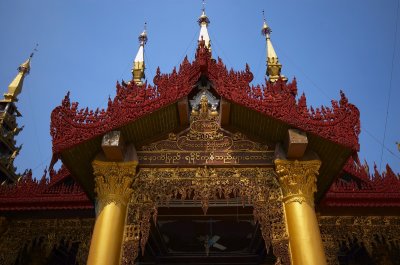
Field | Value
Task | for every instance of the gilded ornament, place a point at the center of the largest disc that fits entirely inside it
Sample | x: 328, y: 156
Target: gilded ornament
x: 155, y: 187
x: 298, y: 180
x: 52, y: 233
x: 113, y: 182
x: 379, y: 235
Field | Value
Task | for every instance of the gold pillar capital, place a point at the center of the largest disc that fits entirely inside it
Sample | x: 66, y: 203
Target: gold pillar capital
x: 113, y: 182
x: 298, y: 179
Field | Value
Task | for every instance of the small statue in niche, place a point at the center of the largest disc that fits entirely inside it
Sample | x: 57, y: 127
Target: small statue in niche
x: 204, y: 105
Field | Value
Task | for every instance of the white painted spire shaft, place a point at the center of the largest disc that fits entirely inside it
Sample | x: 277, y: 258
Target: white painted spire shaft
x: 138, y: 64
x: 203, y: 22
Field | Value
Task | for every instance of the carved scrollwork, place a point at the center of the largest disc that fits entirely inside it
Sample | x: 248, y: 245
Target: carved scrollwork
x: 298, y: 180
x: 379, y: 235
x: 137, y: 229
x: 71, y: 126
x: 113, y: 182
x: 161, y: 185
x: 158, y: 186
x: 50, y: 232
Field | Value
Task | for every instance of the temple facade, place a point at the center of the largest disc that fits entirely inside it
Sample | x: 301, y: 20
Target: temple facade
x: 200, y: 167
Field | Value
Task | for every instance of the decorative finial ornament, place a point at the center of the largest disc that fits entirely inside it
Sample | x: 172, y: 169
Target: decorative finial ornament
x: 266, y: 30
x: 273, y: 65
x: 203, y: 23
x: 143, y: 35
x: 203, y: 18
x: 138, y: 64
x: 15, y: 87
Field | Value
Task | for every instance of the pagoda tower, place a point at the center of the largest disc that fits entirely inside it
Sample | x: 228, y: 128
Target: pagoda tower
x: 9, y: 126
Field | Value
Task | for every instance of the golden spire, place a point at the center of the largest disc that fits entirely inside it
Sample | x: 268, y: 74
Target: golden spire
x: 203, y: 22
x: 138, y: 64
x: 15, y: 87
x: 273, y: 65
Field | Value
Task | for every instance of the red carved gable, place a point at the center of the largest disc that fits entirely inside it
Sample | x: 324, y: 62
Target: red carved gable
x: 356, y: 187
x: 53, y: 193
x: 71, y: 126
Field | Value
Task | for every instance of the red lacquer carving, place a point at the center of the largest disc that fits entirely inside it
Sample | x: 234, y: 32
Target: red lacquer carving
x: 58, y: 191
x: 357, y: 187
x: 71, y: 126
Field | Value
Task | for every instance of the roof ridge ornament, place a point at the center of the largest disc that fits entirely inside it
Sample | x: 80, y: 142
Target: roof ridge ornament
x: 139, y: 64
x: 274, y: 67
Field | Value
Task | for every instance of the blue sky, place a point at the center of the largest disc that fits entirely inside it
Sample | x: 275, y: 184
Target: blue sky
x: 86, y: 46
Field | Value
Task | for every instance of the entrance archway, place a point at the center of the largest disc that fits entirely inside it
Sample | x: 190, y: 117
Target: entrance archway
x: 157, y: 187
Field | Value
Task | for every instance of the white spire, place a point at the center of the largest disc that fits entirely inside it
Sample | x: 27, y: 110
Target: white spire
x: 203, y: 22
x: 138, y: 63
x: 140, y: 54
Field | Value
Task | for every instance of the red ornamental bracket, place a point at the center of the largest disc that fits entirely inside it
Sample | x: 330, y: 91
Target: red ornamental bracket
x: 71, y: 126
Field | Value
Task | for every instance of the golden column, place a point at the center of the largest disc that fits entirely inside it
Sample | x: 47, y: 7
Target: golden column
x: 298, y: 183
x: 113, y: 188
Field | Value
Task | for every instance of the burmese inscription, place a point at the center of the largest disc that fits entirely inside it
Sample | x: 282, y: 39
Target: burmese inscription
x: 218, y: 148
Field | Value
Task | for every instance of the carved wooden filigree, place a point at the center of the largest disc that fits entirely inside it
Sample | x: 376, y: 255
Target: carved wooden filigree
x: 55, y: 190
x: 153, y: 187
x: 356, y: 187
x: 206, y: 143
x: 379, y: 235
x: 137, y: 229
x: 51, y: 232
x: 71, y: 126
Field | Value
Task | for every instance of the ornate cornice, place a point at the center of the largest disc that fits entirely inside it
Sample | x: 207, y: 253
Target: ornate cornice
x: 113, y: 182
x: 71, y: 126
x: 298, y: 180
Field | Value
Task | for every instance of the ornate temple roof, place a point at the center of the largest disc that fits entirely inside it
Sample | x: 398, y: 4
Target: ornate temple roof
x: 54, y: 191
x: 148, y: 110
x: 71, y: 126
x: 143, y: 110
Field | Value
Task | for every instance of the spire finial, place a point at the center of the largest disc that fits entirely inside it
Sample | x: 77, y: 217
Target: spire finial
x: 266, y: 30
x: 203, y: 19
x: 15, y: 87
x: 143, y: 35
x: 273, y: 65
x: 138, y: 64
